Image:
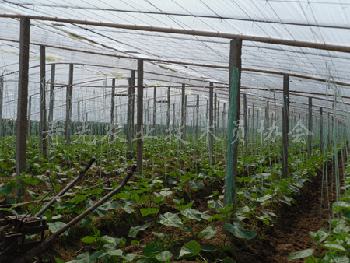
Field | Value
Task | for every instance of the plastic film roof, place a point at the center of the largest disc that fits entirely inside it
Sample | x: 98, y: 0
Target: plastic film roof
x: 102, y: 53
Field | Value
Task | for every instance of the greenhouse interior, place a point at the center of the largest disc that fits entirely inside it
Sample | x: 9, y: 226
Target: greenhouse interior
x: 174, y: 131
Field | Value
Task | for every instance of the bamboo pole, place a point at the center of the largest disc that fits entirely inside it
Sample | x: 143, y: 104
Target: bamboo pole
x: 21, y: 123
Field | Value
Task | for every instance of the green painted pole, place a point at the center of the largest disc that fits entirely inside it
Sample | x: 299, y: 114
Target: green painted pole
x: 232, y: 137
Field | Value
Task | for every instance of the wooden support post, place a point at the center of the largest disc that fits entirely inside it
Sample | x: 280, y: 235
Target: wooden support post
x: 174, y: 118
x: 329, y: 131
x: 235, y: 68
x: 223, y: 121
x: 321, y: 130
x: 69, y: 92
x: 197, y: 117
x: 1, y: 99
x: 112, y: 129
x: 218, y: 120
x: 155, y: 110
x: 253, y: 124
x: 43, y: 124
x: 131, y: 109
x: 139, y: 114
x: 29, y: 113
x: 309, y: 136
x: 266, y: 122
x: 214, y: 114
x: 285, y: 126
x: 52, y: 100
x: 168, y: 114
x: 210, y: 130
x: 182, y: 127
x: 21, y: 123
x: 245, y: 122
x: 185, y: 120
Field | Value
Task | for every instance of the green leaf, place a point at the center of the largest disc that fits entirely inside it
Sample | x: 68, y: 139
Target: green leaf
x: 149, y: 211
x: 238, y: 231
x: 86, y: 221
x: 143, y: 198
x: 208, y: 233
x: 335, y: 247
x: 190, y: 249
x: 110, y: 240
x: 151, y: 250
x: 301, y: 254
x: 196, y: 184
x: 209, y: 247
x: 192, y: 214
x: 164, y: 256
x: 54, y: 227
x: 130, y: 257
x: 170, y: 219
x: 135, y: 229
x: 82, y: 258
x: 78, y: 199
x: 6, y: 190
x: 228, y: 260
x: 159, y: 235
x: 165, y: 193
x: 88, y: 240
x: 59, y: 260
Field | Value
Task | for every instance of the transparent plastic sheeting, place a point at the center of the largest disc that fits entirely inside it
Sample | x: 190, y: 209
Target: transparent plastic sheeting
x: 102, y: 53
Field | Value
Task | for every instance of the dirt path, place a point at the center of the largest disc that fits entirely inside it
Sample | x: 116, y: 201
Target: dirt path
x: 291, y: 232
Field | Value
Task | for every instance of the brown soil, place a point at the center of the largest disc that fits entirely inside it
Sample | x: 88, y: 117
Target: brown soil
x: 291, y: 232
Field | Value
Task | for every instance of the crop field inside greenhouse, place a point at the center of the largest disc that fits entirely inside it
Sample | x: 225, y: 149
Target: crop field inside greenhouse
x: 174, y: 131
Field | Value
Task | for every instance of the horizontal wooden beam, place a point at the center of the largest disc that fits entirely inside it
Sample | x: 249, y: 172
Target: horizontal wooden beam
x: 267, y: 40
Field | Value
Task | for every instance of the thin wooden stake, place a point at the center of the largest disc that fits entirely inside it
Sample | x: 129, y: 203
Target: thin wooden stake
x: 321, y: 130
x: 68, y: 127
x: 210, y: 130
x: 112, y: 124
x: 168, y: 113
x: 1, y: 99
x: 197, y: 118
x: 43, y: 124
x: 245, y: 122
x: 140, y: 115
x: 309, y: 136
x: 52, y: 101
x: 285, y: 126
x: 155, y: 110
x: 182, y: 127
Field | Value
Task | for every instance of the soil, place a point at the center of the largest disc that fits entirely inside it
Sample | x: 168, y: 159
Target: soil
x: 291, y: 232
